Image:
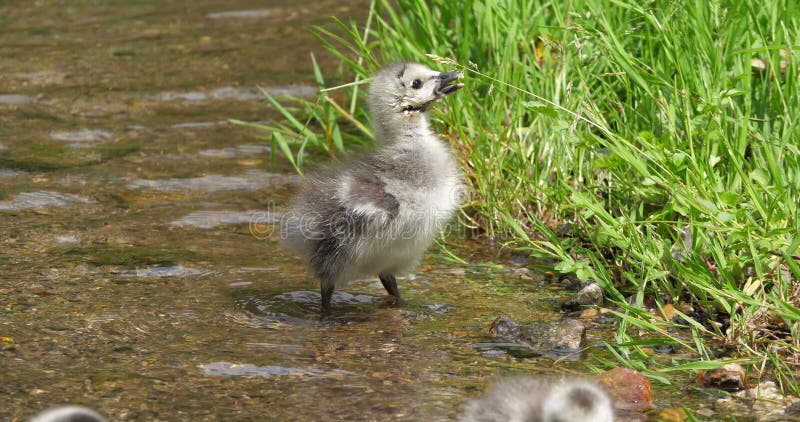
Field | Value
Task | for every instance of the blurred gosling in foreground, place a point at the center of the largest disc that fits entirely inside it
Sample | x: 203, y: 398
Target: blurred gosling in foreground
x: 529, y: 399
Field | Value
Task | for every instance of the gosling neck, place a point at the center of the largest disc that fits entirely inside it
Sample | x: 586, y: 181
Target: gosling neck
x: 394, y: 126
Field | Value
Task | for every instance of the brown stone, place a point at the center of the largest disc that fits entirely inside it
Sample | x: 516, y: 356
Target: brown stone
x: 630, y: 389
x: 729, y: 378
x: 672, y: 414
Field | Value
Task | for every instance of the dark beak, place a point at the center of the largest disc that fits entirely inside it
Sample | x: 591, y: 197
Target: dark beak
x: 446, y: 87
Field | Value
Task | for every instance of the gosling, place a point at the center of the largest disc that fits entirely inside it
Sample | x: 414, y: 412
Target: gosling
x: 376, y: 215
x: 528, y: 399
x: 68, y: 414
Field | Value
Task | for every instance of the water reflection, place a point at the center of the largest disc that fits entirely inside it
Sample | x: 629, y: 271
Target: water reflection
x: 220, y: 369
x: 237, y: 93
x: 82, y: 136
x: 241, y: 14
x: 15, y: 99
x: 250, y: 180
x: 211, y: 219
x: 171, y: 271
x: 43, y: 199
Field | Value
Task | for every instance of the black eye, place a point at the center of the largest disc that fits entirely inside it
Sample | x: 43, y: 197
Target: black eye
x: 416, y: 84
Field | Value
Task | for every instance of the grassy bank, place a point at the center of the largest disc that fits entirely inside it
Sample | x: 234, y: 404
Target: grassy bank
x: 652, y: 148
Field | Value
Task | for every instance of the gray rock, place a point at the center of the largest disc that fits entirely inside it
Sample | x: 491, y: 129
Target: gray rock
x: 590, y: 295
x: 547, y: 339
x: 765, y: 400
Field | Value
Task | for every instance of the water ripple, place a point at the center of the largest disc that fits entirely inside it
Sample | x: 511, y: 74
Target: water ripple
x: 235, y: 152
x: 87, y: 135
x: 241, y: 14
x: 237, y: 94
x: 211, y: 219
x: 252, y: 180
x: 171, y: 271
x: 221, y: 369
x: 29, y: 200
x: 14, y: 99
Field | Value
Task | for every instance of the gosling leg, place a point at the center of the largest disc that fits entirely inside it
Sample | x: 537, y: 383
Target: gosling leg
x: 326, y: 292
x: 390, y: 284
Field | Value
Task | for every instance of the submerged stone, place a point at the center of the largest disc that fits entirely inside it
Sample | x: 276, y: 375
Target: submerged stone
x: 547, y: 339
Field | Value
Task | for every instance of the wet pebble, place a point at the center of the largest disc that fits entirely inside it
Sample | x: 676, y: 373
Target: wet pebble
x: 211, y: 219
x: 439, y: 308
x: 590, y: 295
x: 66, y: 238
x: 31, y: 200
x: 729, y: 378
